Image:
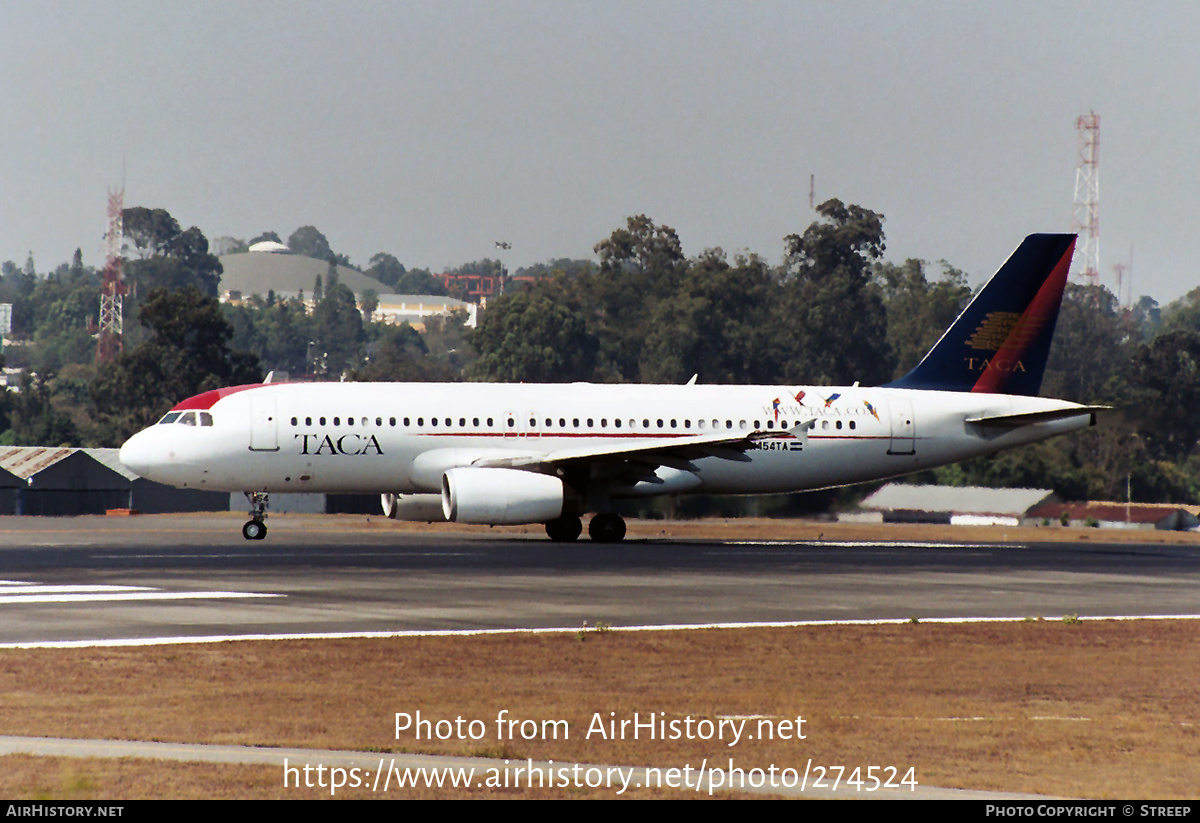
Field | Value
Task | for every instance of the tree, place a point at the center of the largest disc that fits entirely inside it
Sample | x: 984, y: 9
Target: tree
x: 1166, y: 379
x: 836, y: 317
x: 639, y: 265
x: 386, y: 269
x: 308, y: 241
x: 34, y: 419
x: 399, y: 354
x: 530, y: 338
x: 337, y: 331
x: 170, y: 258
x: 719, y: 324
x: 187, y: 352
x: 370, y: 302
x: 151, y: 230
x: 1091, y: 352
x: 918, y: 311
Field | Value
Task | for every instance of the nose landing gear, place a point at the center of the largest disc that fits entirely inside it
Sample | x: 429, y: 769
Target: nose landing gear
x: 255, y: 528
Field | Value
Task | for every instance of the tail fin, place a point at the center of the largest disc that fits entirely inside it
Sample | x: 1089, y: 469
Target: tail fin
x: 1000, y: 342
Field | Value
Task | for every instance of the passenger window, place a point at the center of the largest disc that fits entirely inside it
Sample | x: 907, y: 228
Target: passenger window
x: 729, y: 424
x: 687, y: 424
x: 308, y: 421
x: 674, y: 425
x: 489, y: 422
x: 322, y: 421
x: 838, y: 424
x: 617, y: 422
x: 700, y: 424
x: 337, y: 421
x: 379, y: 421
x: 852, y: 424
x: 349, y: 421
x: 603, y: 422
x: 462, y: 421
x: 660, y: 423
x: 590, y: 424
x: 645, y: 424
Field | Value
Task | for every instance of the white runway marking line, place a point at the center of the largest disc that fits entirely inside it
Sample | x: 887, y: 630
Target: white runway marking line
x: 14, y: 592
x: 877, y: 544
x: 367, y: 635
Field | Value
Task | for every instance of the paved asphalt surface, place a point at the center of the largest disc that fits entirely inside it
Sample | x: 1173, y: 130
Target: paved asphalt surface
x: 95, y: 578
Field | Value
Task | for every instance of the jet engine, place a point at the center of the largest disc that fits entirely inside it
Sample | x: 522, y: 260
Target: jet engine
x: 500, y: 497
x: 426, y: 508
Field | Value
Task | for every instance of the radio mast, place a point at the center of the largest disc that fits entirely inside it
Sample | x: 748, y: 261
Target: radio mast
x: 1086, y: 217
x: 112, y: 285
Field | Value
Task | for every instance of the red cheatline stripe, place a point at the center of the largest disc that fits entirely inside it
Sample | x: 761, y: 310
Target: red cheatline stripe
x: 1043, y: 306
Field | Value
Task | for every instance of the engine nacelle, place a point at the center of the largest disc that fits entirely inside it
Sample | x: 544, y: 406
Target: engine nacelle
x: 423, y: 508
x: 501, y: 497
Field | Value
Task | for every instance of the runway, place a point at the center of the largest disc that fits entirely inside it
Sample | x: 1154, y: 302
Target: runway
x: 193, y: 576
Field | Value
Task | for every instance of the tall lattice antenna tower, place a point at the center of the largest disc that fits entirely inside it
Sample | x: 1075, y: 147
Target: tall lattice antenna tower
x: 112, y: 285
x: 1086, y: 218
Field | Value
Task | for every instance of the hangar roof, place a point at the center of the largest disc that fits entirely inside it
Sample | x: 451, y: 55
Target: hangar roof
x: 955, y: 499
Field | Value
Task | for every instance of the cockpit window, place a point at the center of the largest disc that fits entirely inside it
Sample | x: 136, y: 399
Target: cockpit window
x: 188, y: 419
x: 205, y: 419
x: 169, y: 417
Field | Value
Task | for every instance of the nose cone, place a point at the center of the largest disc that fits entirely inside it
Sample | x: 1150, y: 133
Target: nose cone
x: 141, y: 454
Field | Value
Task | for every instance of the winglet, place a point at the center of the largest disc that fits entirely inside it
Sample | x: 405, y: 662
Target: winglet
x: 1001, y: 341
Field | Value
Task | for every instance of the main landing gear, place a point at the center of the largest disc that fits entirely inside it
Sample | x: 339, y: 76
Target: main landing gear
x: 255, y: 528
x: 565, y: 529
x: 606, y: 527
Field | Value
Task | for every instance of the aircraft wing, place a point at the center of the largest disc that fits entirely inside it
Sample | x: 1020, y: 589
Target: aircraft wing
x: 656, y: 451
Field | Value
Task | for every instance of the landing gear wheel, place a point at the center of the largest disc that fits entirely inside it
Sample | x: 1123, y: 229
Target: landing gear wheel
x: 255, y: 529
x: 565, y: 529
x: 607, y: 527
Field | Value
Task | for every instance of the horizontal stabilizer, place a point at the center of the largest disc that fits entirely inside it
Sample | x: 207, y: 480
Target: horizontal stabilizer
x: 1029, y: 418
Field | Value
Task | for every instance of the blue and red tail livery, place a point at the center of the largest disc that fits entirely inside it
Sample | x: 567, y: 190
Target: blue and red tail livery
x: 1001, y: 341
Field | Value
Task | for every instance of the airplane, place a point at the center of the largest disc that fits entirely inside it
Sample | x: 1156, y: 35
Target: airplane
x: 506, y: 454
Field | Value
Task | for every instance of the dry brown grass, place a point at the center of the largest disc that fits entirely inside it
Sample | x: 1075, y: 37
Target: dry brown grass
x: 60, y: 778
x: 1097, y: 709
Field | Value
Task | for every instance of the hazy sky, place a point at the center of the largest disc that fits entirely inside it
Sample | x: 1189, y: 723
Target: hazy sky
x: 430, y: 130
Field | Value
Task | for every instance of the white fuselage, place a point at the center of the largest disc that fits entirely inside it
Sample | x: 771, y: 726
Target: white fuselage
x: 402, y: 437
